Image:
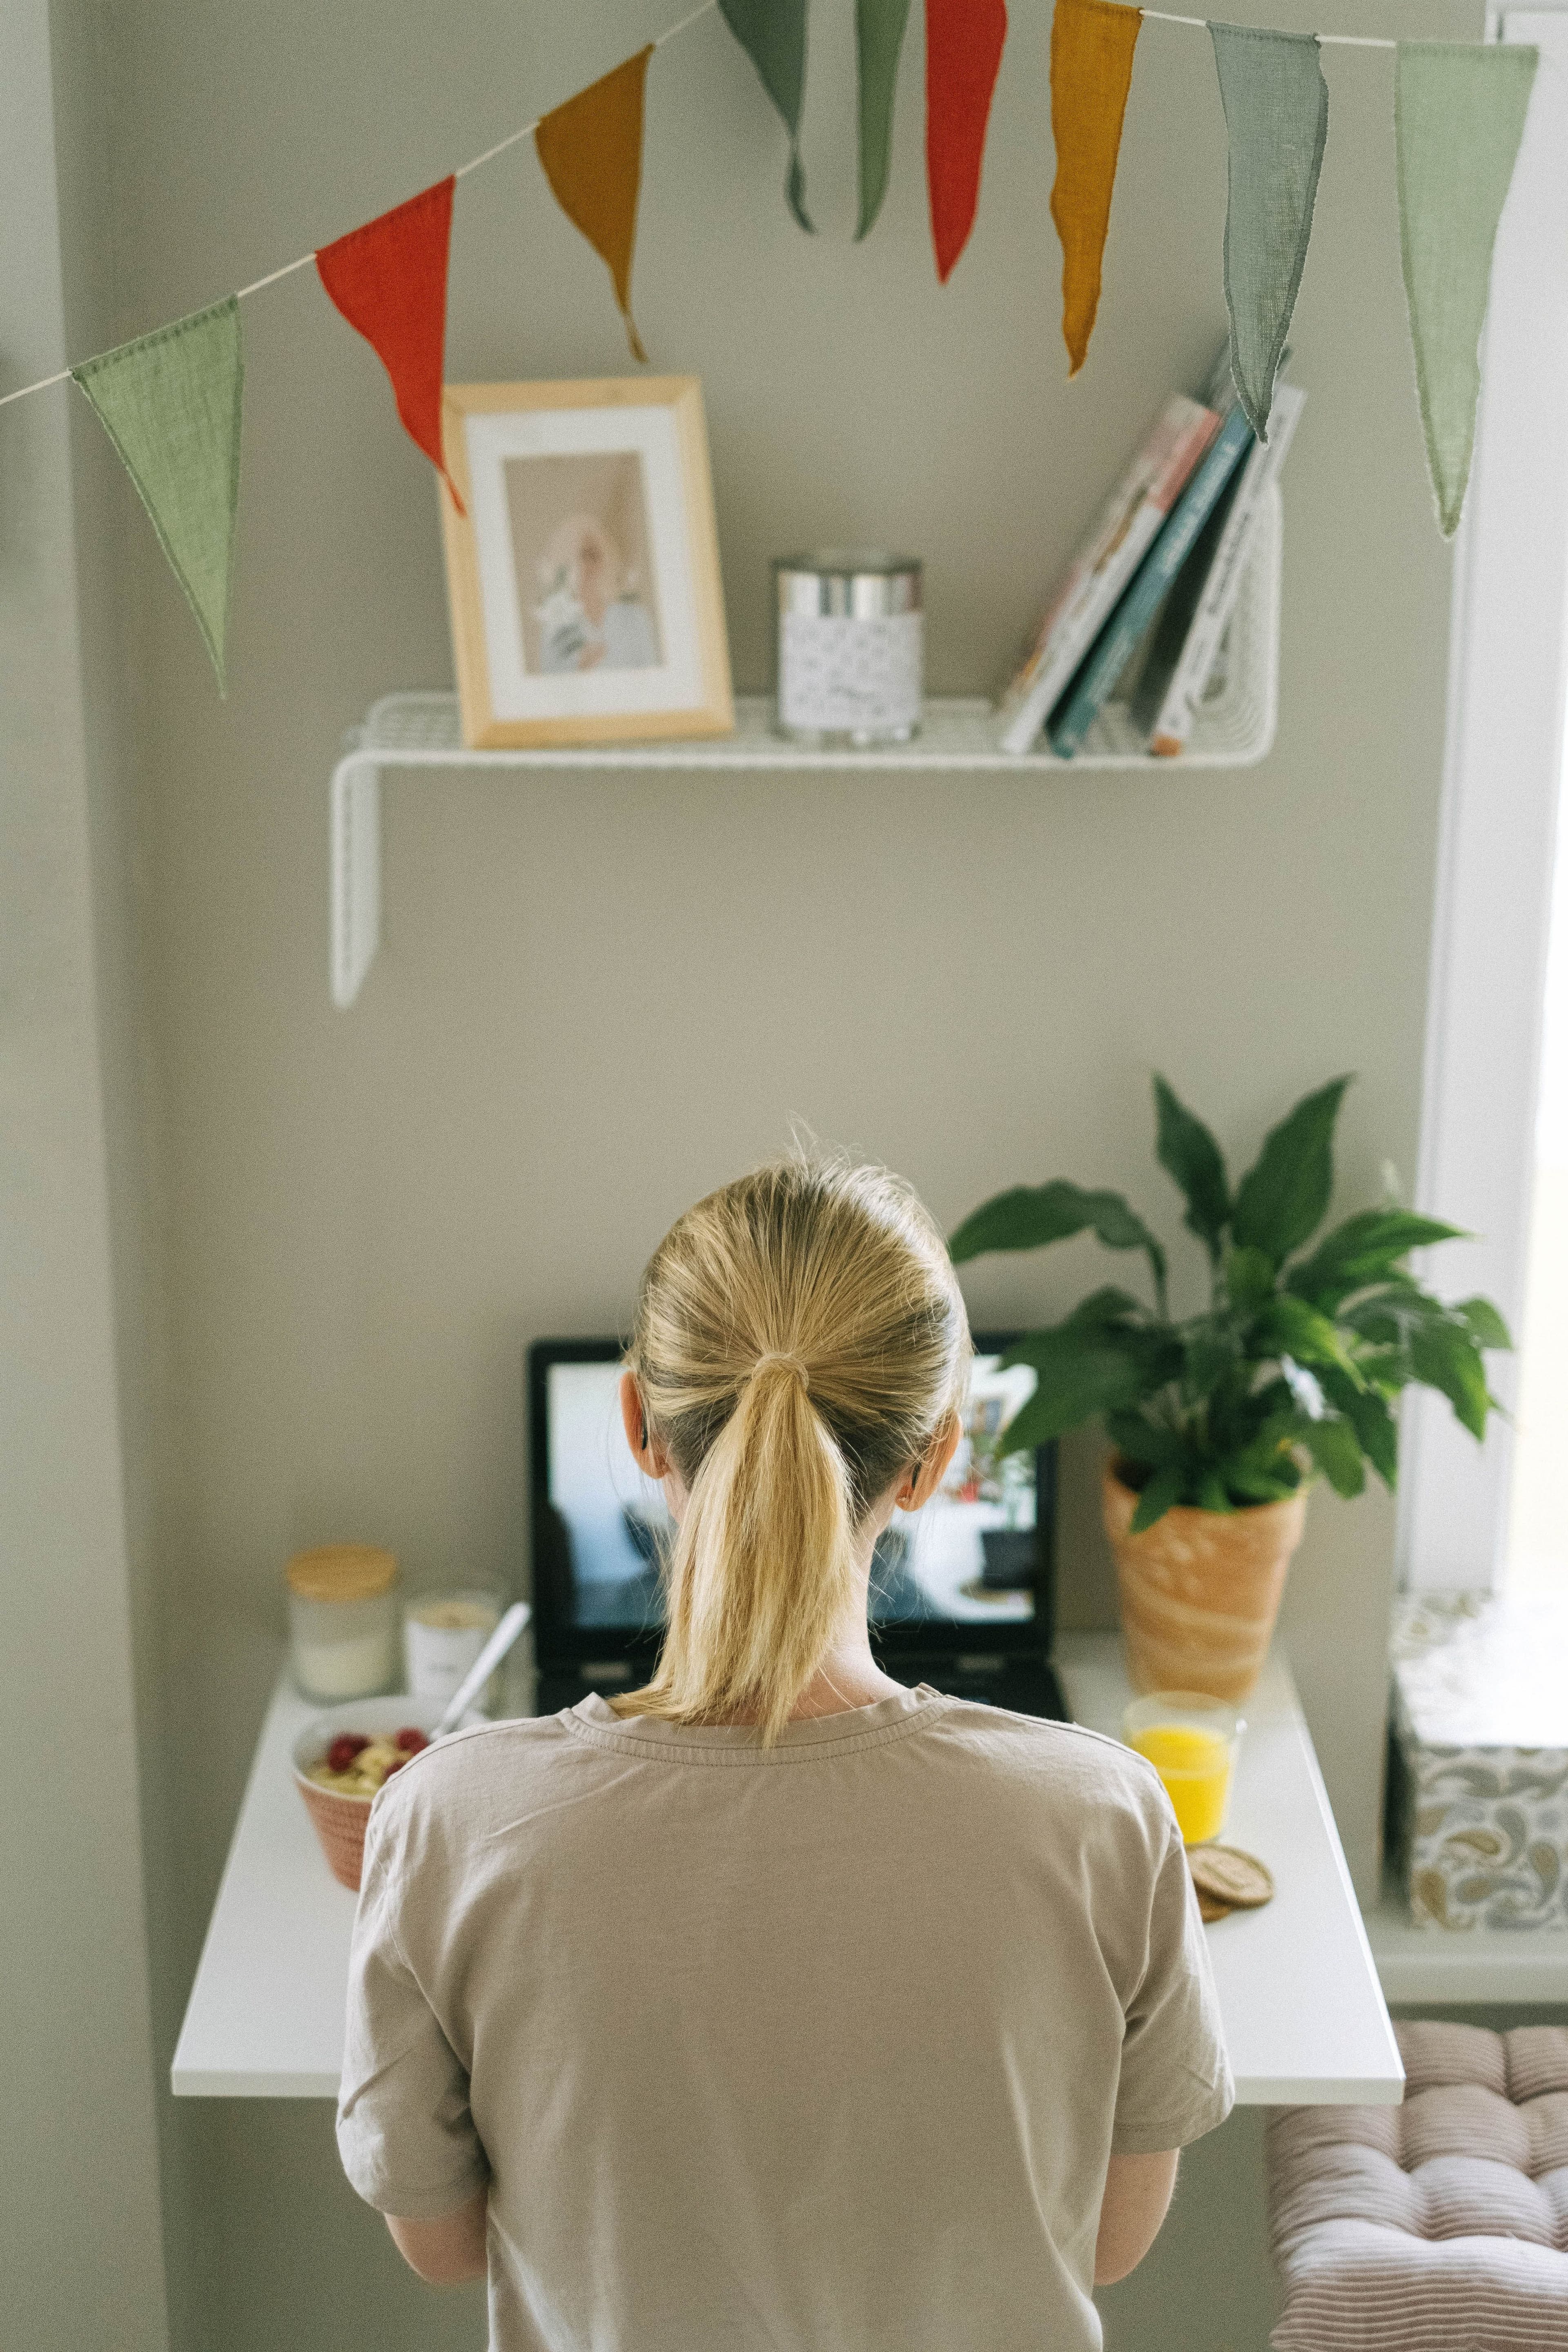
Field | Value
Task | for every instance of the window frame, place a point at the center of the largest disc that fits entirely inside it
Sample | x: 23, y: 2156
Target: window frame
x: 1503, y: 774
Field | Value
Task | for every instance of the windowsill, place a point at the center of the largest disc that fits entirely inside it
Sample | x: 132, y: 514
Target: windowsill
x: 1440, y: 1964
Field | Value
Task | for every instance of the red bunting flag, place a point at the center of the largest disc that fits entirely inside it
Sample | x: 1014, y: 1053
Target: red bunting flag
x: 964, y: 56
x: 389, y: 280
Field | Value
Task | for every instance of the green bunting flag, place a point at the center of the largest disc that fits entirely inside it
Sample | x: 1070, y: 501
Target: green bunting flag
x: 1458, y: 116
x: 1277, y: 118
x: 772, y: 34
x: 878, y: 38
x: 171, y: 402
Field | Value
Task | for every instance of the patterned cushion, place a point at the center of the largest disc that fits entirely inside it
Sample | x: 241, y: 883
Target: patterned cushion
x: 1439, y: 2226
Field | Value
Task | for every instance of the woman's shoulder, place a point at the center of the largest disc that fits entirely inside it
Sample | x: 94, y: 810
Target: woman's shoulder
x: 1036, y: 1753
x: 459, y: 1776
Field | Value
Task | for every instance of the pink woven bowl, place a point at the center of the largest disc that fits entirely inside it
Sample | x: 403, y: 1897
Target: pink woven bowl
x: 339, y: 1820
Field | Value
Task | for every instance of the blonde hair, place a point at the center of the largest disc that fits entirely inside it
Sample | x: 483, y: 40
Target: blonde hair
x: 799, y: 1340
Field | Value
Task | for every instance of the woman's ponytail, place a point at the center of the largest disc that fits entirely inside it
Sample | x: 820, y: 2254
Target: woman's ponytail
x: 799, y: 1340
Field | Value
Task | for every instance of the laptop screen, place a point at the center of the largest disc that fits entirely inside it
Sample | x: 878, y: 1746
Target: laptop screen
x: 973, y: 1558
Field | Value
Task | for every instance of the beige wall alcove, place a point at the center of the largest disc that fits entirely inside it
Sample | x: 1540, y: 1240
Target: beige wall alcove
x: 598, y: 996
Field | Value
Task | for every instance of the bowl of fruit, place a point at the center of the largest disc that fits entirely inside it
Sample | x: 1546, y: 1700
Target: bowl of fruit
x: 342, y: 1758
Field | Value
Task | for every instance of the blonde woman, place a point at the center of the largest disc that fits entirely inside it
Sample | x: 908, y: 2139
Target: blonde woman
x: 778, y: 2005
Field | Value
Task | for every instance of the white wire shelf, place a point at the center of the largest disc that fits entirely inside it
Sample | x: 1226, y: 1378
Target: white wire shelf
x: 1233, y: 728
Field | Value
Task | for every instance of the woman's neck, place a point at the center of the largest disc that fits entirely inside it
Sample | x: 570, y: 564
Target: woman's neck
x: 848, y: 1676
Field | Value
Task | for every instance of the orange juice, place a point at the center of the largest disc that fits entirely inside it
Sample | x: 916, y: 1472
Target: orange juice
x: 1194, y: 1765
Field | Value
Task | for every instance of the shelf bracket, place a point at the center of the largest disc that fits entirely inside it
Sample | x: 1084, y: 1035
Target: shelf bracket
x: 355, y: 821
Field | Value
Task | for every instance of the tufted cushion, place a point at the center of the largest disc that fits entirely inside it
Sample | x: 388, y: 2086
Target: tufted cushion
x: 1438, y: 2226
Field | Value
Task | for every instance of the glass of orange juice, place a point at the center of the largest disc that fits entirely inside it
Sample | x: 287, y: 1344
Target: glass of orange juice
x: 1191, y: 1740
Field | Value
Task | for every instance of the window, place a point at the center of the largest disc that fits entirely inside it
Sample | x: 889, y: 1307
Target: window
x: 1504, y: 764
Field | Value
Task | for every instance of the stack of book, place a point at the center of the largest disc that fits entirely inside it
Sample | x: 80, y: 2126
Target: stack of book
x: 1148, y: 598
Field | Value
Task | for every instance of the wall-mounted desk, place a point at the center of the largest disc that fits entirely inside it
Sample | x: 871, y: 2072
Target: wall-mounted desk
x: 1304, y: 2016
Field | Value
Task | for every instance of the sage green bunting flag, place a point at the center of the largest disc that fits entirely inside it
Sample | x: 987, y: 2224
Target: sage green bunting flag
x: 878, y: 38
x: 1276, y: 117
x: 772, y: 34
x: 1458, y: 116
x: 170, y: 402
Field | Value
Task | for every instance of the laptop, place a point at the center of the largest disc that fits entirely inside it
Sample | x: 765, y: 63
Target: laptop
x: 962, y: 1592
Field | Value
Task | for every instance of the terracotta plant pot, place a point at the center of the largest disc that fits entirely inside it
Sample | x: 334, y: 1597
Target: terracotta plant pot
x: 1200, y: 1590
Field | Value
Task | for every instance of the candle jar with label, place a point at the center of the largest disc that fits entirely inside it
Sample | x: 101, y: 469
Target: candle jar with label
x: 343, y: 1621
x: 851, y: 648
x: 443, y: 1634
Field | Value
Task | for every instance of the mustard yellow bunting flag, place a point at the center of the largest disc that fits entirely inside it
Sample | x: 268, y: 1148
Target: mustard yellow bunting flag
x: 1092, y: 72
x: 591, y: 148
x: 1459, y: 117
x: 170, y: 402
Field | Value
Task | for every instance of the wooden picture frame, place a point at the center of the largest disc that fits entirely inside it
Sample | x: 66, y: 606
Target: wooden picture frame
x: 583, y: 577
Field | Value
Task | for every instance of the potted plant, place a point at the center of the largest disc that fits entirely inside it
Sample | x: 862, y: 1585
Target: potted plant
x: 1220, y: 1420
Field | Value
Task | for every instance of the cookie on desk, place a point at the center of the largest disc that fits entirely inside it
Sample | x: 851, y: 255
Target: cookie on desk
x: 1224, y: 1875
x: 1211, y: 1909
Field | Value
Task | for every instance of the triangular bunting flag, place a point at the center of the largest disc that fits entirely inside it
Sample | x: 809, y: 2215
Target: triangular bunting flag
x: 1092, y: 72
x: 1458, y: 116
x: 389, y: 280
x: 772, y: 34
x: 170, y: 404
x: 878, y: 38
x: 591, y: 148
x: 964, y: 56
x: 1277, y: 115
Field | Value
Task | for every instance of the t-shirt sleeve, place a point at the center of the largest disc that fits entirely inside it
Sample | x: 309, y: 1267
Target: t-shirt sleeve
x: 1175, y: 2080
x: 406, y: 2135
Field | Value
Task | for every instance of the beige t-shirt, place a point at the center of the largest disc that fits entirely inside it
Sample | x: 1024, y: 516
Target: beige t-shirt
x: 820, y: 2048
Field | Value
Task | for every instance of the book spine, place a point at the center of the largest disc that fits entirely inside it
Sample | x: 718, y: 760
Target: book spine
x: 1070, y: 630
x: 1174, y: 723
x: 1118, y: 640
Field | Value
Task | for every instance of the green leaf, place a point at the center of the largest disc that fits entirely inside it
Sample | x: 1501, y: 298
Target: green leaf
x: 1444, y: 1355
x: 1081, y: 1372
x: 1363, y: 1250
x: 1336, y: 1449
x: 1188, y: 1152
x: 1105, y: 1305
x: 1212, y: 1350
x: 1376, y: 1429
x: 1256, y: 1486
x: 1485, y: 1326
x: 1248, y: 1276
x: 1031, y: 1215
x: 1145, y: 1441
x: 1283, y: 1199
x: 1165, y: 1488
x: 1212, y: 1495
x: 1288, y: 1327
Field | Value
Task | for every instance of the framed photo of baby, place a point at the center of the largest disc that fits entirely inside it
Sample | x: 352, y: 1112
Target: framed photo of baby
x: 583, y: 575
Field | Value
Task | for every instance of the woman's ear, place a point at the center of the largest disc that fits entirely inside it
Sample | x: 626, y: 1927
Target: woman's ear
x: 927, y: 1475
x: 646, y: 1451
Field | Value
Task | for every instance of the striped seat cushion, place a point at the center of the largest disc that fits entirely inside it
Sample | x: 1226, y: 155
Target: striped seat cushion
x: 1438, y: 2226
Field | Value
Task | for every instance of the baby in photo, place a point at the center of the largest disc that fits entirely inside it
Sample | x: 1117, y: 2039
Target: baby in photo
x: 590, y: 615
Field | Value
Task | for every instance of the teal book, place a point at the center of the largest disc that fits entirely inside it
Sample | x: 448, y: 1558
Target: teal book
x: 1112, y: 650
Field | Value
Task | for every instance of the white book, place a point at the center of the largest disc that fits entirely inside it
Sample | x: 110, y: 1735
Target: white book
x: 1194, y: 666
x: 1124, y: 533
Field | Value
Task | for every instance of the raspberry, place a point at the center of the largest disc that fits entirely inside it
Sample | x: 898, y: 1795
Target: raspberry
x: 409, y: 1740
x: 343, y: 1749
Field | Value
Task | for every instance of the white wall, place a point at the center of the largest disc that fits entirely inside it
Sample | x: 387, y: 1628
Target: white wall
x: 599, y: 996
x: 80, y: 2252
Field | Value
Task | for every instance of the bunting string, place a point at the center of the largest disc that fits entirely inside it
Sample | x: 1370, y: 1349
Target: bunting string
x: 170, y: 401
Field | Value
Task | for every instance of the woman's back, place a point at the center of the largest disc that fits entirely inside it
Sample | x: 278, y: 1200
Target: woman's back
x: 818, y: 2042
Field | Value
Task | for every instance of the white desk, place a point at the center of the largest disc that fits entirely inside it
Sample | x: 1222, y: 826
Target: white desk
x: 1304, y: 2017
